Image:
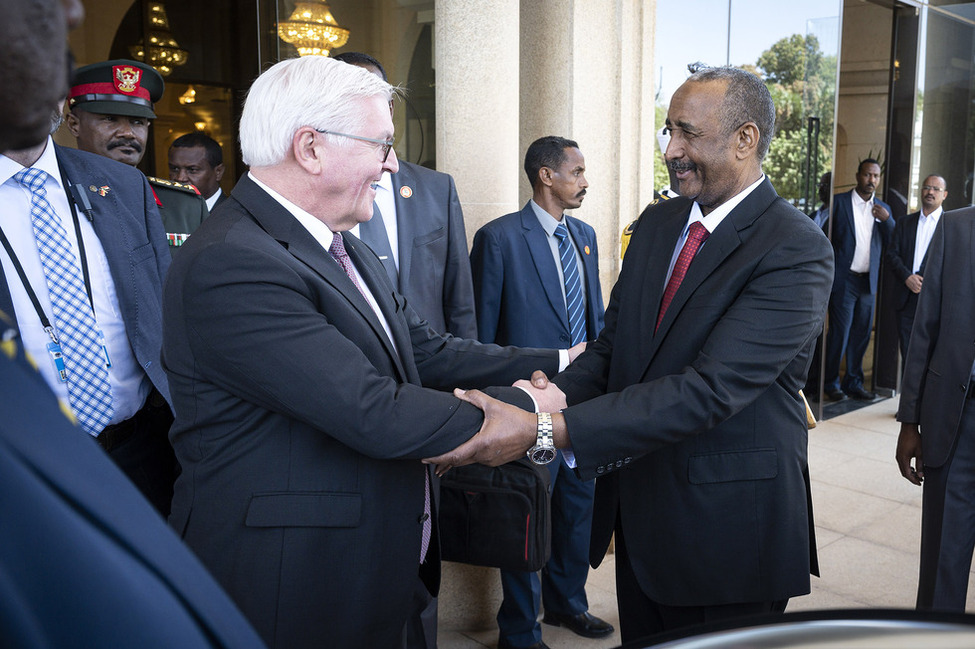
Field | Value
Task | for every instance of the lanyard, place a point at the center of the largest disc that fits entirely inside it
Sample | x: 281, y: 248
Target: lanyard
x: 74, y: 196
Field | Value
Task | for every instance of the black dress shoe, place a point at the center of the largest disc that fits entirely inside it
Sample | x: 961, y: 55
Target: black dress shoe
x: 861, y: 394
x: 835, y: 395
x: 584, y: 624
x: 504, y: 644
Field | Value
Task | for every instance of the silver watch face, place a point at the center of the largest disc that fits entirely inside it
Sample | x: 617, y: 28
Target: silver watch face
x: 541, y: 454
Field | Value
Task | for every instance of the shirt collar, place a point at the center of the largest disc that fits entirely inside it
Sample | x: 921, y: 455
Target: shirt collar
x: 323, y: 235
x: 546, y: 220
x: 857, y: 200
x: 933, y: 216
x: 386, y: 182
x: 718, y: 214
x: 48, y: 162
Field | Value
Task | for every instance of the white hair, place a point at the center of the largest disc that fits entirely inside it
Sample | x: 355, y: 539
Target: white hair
x: 311, y: 91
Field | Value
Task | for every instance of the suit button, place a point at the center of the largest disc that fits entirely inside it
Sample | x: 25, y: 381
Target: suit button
x: 619, y: 463
x: 564, y: 338
x: 627, y: 460
x: 600, y: 470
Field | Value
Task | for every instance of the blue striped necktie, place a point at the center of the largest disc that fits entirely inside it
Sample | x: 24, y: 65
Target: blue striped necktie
x: 89, y: 390
x: 574, y: 305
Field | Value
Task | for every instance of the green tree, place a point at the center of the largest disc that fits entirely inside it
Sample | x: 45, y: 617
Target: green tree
x: 787, y: 61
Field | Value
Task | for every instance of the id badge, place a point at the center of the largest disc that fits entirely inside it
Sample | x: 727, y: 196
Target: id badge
x: 54, y: 349
x: 101, y: 341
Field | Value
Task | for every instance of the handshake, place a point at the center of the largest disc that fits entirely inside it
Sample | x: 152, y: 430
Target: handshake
x: 508, y: 431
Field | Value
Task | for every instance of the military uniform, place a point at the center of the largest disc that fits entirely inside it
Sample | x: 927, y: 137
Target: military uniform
x: 181, y: 206
x: 130, y: 88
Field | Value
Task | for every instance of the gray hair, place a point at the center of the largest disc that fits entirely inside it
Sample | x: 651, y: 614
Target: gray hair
x: 308, y: 91
x: 746, y: 100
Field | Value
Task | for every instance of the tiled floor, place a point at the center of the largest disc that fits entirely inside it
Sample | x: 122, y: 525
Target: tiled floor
x: 867, y: 527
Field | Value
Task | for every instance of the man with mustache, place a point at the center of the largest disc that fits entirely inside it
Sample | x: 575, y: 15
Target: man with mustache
x: 110, y: 109
x: 862, y: 226
x: 686, y: 408
x: 536, y: 284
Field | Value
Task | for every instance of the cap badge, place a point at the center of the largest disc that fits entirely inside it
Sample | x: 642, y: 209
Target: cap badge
x: 405, y: 191
x: 126, y: 78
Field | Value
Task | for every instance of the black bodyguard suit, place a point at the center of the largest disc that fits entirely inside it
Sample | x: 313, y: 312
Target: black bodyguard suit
x: 84, y: 560
x: 299, y: 428
x: 704, y: 472
x: 935, y: 394
x: 900, y: 260
x: 434, y: 270
x: 851, y: 302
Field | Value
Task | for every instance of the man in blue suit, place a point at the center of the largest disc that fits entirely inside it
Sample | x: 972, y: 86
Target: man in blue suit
x: 862, y: 226
x: 113, y: 238
x: 531, y: 289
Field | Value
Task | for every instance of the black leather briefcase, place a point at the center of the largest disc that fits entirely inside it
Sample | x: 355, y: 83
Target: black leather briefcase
x: 496, y: 516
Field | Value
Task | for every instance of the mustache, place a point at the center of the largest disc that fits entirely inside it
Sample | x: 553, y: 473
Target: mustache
x: 134, y: 144
x: 678, y: 166
x: 581, y: 194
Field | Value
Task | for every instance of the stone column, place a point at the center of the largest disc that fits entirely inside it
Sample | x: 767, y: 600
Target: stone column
x: 477, y: 63
x: 477, y: 59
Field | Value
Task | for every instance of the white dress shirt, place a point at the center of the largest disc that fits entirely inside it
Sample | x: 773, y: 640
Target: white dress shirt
x: 925, y: 230
x: 130, y: 384
x: 212, y: 201
x: 386, y: 202
x: 863, y: 225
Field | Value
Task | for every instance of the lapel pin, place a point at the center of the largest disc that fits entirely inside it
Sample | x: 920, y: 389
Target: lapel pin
x: 101, y: 191
x: 587, y: 250
x: 405, y: 191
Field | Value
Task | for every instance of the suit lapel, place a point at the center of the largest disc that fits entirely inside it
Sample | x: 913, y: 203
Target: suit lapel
x: 666, y: 229
x: 404, y: 223
x: 721, y: 243
x: 285, y: 228
x: 912, y: 240
x: 541, y: 254
x: 374, y: 275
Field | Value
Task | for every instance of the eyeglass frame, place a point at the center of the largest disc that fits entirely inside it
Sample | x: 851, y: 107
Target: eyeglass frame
x: 387, y: 144
x: 925, y: 188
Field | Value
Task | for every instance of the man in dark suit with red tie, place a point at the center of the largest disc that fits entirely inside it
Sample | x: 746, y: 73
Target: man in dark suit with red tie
x: 296, y: 372
x: 686, y: 409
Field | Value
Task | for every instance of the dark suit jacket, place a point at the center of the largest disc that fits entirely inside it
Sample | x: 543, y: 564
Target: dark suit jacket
x: 706, y: 461
x: 300, y: 429
x: 939, y: 359
x: 517, y: 287
x: 84, y: 559
x: 129, y: 228
x: 900, y: 256
x: 434, y: 270
x: 845, y: 241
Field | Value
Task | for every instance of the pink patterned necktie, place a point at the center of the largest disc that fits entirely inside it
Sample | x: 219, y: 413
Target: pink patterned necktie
x: 695, y: 238
x: 337, y: 250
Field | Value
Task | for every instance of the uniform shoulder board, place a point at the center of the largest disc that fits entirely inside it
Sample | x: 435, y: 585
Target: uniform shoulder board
x: 172, y: 184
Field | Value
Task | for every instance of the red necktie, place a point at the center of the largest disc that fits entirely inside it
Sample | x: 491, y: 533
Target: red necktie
x: 695, y: 237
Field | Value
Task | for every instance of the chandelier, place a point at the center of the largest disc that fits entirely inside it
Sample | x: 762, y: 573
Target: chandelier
x: 164, y: 53
x: 312, y: 29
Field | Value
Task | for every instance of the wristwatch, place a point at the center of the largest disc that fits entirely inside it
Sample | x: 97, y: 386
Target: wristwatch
x: 543, y: 451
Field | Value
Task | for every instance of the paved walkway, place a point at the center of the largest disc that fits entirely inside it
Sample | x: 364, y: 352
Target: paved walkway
x: 867, y: 527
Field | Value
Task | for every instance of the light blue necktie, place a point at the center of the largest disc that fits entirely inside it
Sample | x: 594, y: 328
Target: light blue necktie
x: 574, y: 305
x: 89, y: 391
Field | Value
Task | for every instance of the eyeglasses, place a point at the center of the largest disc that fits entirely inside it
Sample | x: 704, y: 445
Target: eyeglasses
x: 931, y: 188
x: 385, y: 144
